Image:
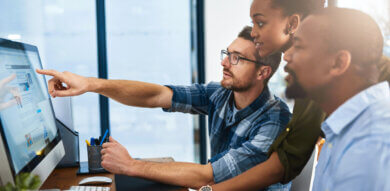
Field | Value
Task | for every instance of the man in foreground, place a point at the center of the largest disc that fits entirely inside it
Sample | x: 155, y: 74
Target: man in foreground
x: 244, y: 117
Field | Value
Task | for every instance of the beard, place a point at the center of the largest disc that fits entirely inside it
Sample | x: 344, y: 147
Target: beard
x: 294, y: 90
x: 235, y: 84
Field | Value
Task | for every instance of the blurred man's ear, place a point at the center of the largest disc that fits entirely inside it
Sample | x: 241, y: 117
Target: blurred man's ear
x: 264, y: 72
x: 342, y: 62
x: 293, y: 23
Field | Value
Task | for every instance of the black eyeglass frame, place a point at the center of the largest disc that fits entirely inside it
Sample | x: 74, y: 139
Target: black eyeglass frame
x: 225, y: 52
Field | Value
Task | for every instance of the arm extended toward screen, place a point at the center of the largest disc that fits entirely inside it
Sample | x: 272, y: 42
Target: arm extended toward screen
x: 133, y: 93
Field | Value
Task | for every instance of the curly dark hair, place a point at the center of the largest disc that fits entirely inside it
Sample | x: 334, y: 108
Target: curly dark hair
x: 301, y: 7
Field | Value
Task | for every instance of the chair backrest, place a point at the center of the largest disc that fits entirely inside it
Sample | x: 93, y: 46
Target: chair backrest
x: 304, y: 181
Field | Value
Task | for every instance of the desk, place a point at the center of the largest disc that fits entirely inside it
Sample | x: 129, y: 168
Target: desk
x: 64, y: 178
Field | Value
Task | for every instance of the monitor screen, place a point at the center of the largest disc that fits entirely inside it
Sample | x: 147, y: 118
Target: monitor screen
x: 27, y: 119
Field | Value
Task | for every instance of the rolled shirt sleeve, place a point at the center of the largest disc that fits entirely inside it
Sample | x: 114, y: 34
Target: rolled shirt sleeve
x: 235, y: 161
x: 192, y: 99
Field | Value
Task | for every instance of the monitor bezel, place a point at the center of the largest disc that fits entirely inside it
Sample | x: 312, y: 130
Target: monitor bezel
x: 31, y: 165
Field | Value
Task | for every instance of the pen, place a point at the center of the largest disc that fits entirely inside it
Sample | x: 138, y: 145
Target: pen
x: 104, y: 137
x: 92, y: 141
x: 87, y: 142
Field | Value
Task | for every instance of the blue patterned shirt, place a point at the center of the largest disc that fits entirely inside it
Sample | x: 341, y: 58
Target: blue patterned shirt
x: 238, y: 142
x: 356, y: 155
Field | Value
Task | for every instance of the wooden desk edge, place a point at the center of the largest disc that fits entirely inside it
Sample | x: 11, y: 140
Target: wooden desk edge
x: 64, y: 178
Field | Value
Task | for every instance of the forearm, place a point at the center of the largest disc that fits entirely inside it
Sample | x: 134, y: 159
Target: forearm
x: 188, y: 175
x: 132, y: 93
x: 258, y: 177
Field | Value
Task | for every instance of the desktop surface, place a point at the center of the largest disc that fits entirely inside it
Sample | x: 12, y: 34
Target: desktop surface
x: 65, y: 178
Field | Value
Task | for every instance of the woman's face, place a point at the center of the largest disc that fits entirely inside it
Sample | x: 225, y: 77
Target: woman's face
x: 270, y: 28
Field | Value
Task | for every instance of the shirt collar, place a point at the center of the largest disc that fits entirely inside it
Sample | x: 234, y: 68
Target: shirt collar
x: 257, y: 104
x: 349, y: 110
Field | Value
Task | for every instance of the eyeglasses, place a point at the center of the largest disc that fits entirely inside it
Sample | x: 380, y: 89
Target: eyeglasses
x: 234, y: 58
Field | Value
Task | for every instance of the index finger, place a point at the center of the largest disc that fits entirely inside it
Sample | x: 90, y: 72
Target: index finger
x: 53, y: 73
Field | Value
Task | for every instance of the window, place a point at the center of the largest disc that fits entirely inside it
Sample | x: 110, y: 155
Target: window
x: 147, y: 50
x: 65, y: 34
x: 138, y: 49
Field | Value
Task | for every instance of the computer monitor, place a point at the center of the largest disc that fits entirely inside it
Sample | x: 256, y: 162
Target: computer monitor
x: 29, y: 139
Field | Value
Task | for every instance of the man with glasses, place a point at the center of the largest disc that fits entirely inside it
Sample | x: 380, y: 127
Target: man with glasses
x: 244, y: 117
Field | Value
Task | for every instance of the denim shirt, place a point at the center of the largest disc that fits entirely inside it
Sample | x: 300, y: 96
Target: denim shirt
x: 238, y: 142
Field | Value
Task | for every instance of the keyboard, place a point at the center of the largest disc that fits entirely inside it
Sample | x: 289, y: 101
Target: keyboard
x: 89, y: 188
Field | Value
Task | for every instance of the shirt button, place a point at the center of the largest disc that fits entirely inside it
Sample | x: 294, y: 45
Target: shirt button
x: 288, y: 129
x: 330, y: 145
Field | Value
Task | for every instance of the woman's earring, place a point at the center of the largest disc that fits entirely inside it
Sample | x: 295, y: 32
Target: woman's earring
x: 290, y: 31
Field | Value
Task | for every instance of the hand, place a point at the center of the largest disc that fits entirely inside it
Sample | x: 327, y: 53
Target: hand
x: 7, y: 80
x: 75, y: 84
x: 115, y: 157
x: 16, y: 93
x: 5, y: 90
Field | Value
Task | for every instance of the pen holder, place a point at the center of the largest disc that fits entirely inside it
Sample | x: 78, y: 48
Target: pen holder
x: 94, y: 157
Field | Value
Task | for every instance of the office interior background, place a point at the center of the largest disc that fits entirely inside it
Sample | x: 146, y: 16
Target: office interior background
x: 160, y: 41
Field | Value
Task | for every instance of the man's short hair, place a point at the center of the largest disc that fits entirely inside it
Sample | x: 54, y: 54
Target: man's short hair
x: 273, y: 60
x: 356, y: 32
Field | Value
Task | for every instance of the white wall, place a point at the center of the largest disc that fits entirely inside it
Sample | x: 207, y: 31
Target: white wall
x: 224, y: 19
